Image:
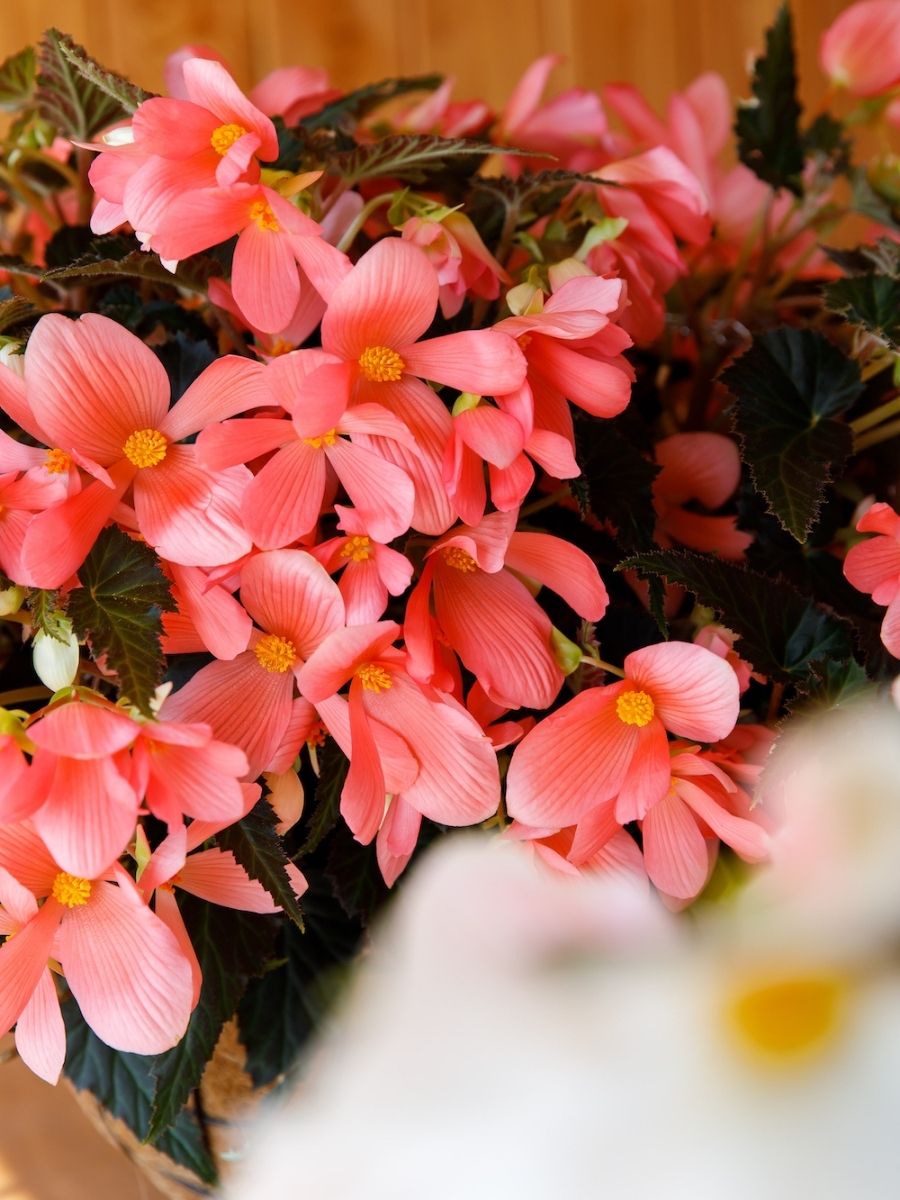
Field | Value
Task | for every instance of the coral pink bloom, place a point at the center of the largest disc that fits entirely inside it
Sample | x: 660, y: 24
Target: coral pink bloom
x: 874, y: 566
x: 78, y: 792
x: 371, y: 329
x: 397, y: 839
x: 208, y: 616
x: 702, y: 467
x: 612, y: 850
x: 284, y: 500
x: 485, y: 434
x: 489, y: 617
x: 274, y: 239
x: 213, y: 875
x: 694, y: 811
x: 860, y: 51
x: 464, y: 265
x: 20, y: 498
x: 570, y: 128
x: 122, y: 965
x: 434, y: 755
x: 100, y: 396
x: 611, y: 741
x: 721, y: 641
x: 248, y: 701
x: 437, y: 113
x: 370, y: 570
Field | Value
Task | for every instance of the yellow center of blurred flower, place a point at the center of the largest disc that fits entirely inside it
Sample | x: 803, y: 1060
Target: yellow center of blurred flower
x: 635, y: 708
x: 455, y: 556
x: 358, y: 547
x: 789, y: 1018
x: 70, y: 890
x: 225, y: 136
x: 262, y: 214
x: 146, y: 447
x: 380, y: 364
x: 275, y: 654
x: 374, y: 678
x: 327, y: 439
x: 57, y: 462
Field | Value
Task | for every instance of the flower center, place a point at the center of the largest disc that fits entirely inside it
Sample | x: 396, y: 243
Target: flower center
x: 262, y: 214
x: 374, y: 678
x: 275, y: 654
x: 380, y: 364
x: 788, y: 1018
x: 57, y: 462
x: 635, y: 708
x: 455, y: 556
x: 327, y: 439
x: 225, y: 136
x: 358, y: 547
x: 70, y: 890
x: 146, y: 447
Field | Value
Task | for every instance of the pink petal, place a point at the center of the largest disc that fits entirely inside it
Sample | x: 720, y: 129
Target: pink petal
x: 563, y: 568
x: 83, y: 730
x: 215, y: 876
x: 697, y: 466
x: 363, y: 796
x: 718, y: 535
x: 398, y: 763
x: 24, y: 855
x: 202, y: 218
x: 197, y: 781
x: 18, y: 902
x: 317, y: 397
x: 23, y: 960
x: 209, y: 85
x: 303, y: 723
x: 649, y: 773
x: 674, y: 849
x: 494, y: 435
x: 397, y: 839
x: 571, y: 761
x: 695, y: 692
x: 890, y: 627
x: 227, y: 386
x: 554, y: 453
x: 388, y: 299
x: 322, y: 264
x: 88, y: 817
x: 284, y: 499
x: 526, y: 95
x: 382, y: 493
x: 598, y: 387
x: 593, y: 831
x: 290, y: 594
x: 477, y: 360
x: 166, y: 907
x: 165, y: 862
x: 330, y: 666
x: 173, y: 128
x: 40, y: 1032
x: 15, y: 403
x: 747, y: 839
x: 264, y: 279
x: 874, y: 564
x: 131, y: 980
x: 239, y: 441
x: 223, y: 624
x: 510, y: 486
x: 365, y: 596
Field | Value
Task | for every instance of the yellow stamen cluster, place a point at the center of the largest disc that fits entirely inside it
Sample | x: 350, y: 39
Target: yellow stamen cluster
x: 789, y: 1018
x: 70, y: 890
x: 146, y: 447
x: 57, y: 462
x: 358, y: 547
x: 225, y: 136
x: 327, y: 439
x: 380, y: 364
x: 374, y: 678
x: 262, y: 214
x: 455, y: 556
x: 635, y: 708
x: 275, y: 654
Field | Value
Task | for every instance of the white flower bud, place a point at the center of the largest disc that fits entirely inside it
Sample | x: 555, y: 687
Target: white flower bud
x: 55, y: 662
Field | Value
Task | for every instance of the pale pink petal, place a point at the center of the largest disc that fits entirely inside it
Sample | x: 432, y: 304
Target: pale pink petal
x: 697, y: 466
x: 398, y: 763
x: 649, y: 774
x: 599, y: 387
x: 23, y: 960
x: 365, y: 596
x: 890, y: 627
x: 330, y: 666
x: 202, y: 218
x: 494, y: 435
x: 874, y: 563
x: 208, y: 84
x: 215, y: 876
x: 364, y: 792
x: 222, y: 623
x: 746, y: 838
x: 227, y: 386
x: 18, y: 902
x: 166, y: 908
x: 16, y: 456
x: 40, y: 1032
x: 88, y: 817
x: 197, y: 781
x: 481, y: 361
x: 241, y: 441
x: 285, y: 796
x: 84, y: 730
x: 571, y: 761
x: 563, y: 568
x: 126, y: 970
x: 593, y: 831
x: 284, y: 499
x: 165, y: 862
x: 509, y: 487
x: 382, y: 493
x: 388, y: 299
x: 397, y: 839
x: 674, y: 849
x: 301, y: 726
x: 290, y: 594
x: 264, y: 279
x: 15, y: 403
x: 526, y: 95
x: 696, y: 693
x: 315, y: 398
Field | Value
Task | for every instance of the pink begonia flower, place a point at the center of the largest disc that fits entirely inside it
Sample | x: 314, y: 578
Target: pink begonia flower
x: 612, y: 850
x: 489, y: 617
x: 437, y: 113
x: 873, y: 566
x: 213, y: 875
x: 489, y: 716
x: 702, y: 467
x: 464, y: 265
x: 570, y: 128
x: 401, y: 737
x: 370, y: 570
x: 721, y: 641
x: 248, y: 701
x: 484, y: 434
x: 208, y: 616
x: 371, y: 329
x: 611, y: 741
x: 21, y: 497
x: 284, y: 500
x: 860, y: 50
x: 98, y: 395
x: 122, y: 965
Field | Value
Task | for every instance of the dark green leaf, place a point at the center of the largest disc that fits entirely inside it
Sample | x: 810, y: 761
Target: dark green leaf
x: 782, y: 633
x: 47, y: 615
x: 69, y: 243
x: 184, y: 360
x: 16, y: 312
x: 17, y: 76
x: 193, y: 274
x: 75, y: 105
x: 345, y: 112
x: 258, y: 848
x: 832, y: 684
x: 878, y: 258
x: 872, y: 301
x: 333, y: 767
x: 410, y: 158
x: 117, y: 609
x: 354, y: 875
x: 790, y: 386
x: 126, y: 94
x: 231, y: 947
x: 869, y: 201
x: 124, y: 1085
x: 828, y: 137
x: 768, y: 126
x: 281, y: 1009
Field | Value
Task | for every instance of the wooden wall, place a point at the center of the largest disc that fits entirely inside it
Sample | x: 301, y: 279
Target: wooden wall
x: 658, y: 44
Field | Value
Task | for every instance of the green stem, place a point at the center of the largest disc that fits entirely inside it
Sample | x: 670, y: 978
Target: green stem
x: 890, y: 408
x: 881, y: 434
x: 24, y: 695
x: 361, y: 217
x: 547, y: 502
x: 590, y: 661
